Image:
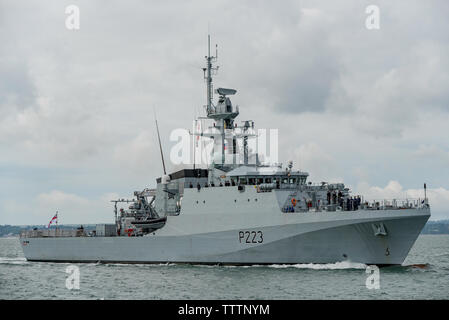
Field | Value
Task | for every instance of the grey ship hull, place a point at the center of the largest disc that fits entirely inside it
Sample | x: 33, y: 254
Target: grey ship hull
x: 312, y: 237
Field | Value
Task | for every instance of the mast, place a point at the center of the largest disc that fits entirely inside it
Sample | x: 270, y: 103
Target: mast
x: 223, y: 113
x: 208, y: 73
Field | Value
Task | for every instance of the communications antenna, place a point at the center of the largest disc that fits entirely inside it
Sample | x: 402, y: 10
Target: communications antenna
x: 208, y: 72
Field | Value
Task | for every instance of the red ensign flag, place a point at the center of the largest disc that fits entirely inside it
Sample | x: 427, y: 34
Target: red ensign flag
x: 53, y: 219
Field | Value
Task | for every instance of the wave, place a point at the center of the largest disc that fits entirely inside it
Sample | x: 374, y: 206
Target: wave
x: 314, y: 266
x: 15, y: 260
x: 418, y: 266
x: 325, y: 266
x: 117, y: 264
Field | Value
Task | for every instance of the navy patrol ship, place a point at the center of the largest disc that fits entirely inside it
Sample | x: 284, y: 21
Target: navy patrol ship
x: 239, y: 213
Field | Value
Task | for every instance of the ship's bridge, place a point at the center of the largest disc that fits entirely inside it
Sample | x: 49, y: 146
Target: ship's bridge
x: 254, y: 175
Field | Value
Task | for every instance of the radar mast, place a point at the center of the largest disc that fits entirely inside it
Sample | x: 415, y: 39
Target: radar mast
x: 208, y: 73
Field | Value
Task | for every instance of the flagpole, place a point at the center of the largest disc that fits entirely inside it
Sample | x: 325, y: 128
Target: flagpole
x: 194, y: 143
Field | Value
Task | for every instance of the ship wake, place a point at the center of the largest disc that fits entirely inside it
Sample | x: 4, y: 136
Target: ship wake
x: 15, y: 260
x: 325, y: 266
x: 342, y: 265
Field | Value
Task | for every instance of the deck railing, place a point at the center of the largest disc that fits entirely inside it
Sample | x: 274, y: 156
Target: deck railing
x: 389, y: 204
x: 51, y: 233
x: 385, y: 204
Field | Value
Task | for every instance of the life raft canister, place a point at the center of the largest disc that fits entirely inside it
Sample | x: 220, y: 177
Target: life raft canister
x: 293, y: 201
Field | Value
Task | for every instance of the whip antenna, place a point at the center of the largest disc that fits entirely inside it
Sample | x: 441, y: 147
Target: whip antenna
x: 160, y: 145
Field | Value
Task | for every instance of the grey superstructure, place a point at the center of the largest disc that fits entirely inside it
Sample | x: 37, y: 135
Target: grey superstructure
x: 240, y: 211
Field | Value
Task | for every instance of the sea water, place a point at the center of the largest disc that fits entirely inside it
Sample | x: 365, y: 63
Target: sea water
x: 424, y: 275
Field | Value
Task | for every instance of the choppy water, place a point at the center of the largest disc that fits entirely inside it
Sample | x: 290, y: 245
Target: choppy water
x: 20, y: 279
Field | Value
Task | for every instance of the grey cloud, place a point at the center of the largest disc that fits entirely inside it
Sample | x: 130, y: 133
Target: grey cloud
x: 16, y: 87
x: 310, y: 87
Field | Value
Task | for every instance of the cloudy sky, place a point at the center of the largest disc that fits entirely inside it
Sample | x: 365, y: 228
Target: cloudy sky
x: 366, y: 107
